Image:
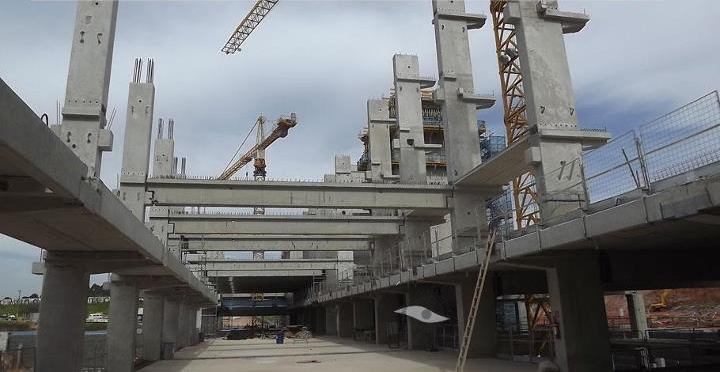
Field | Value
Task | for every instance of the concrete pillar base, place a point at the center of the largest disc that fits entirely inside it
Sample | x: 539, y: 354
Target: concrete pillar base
x: 122, y: 328
x: 576, y: 299
x: 61, y: 328
x: 170, y: 329
x: 153, y: 309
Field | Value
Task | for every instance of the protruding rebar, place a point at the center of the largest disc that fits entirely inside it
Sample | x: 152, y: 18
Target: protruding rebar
x: 182, y: 167
x: 160, y: 128
x: 150, y: 76
x: 175, y: 165
x: 171, y: 128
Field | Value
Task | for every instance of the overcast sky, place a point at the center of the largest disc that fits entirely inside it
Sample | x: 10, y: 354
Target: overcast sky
x: 323, y: 59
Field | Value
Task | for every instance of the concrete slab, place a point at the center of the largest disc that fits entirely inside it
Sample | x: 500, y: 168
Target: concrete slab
x: 318, y: 355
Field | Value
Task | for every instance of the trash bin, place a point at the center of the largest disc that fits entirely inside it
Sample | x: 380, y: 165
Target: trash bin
x: 280, y: 337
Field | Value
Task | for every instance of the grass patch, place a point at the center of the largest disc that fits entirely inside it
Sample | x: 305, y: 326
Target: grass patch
x: 7, y: 325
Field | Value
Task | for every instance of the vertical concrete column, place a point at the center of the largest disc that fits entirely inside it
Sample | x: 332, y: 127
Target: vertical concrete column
x: 171, y: 312
x: 345, y: 319
x: 363, y: 314
x: 320, y: 321
x: 421, y: 335
x: 136, y: 149
x: 61, y: 328
x: 576, y: 298
x: 85, y: 107
x: 459, y: 104
x: 415, y: 243
x: 409, y: 118
x: 385, y: 305
x: 637, y: 313
x: 550, y: 102
x: 122, y: 327
x: 331, y: 320
x: 484, y: 341
x: 379, y: 139
x: 182, y: 326
x: 152, y: 325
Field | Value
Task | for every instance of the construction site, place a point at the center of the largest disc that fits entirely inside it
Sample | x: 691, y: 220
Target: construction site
x: 442, y: 246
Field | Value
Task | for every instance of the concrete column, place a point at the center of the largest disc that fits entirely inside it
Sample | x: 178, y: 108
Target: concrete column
x: 484, y: 341
x: 85, y: 106
x: 576, y: 299
x: 637, y: 313
x: 385, y: 305
x: 182, y: 326
x: 152, y: 325
x: 320, y: 321
x: 421, y: 335
x: 170, y: 324
x: 345, y: 319
x: 61, y: 328
x: 136, y: 149
x: 550, y: 102
x: 363, y: 313
x: 415, y: 243
x: 459, y: 104
x: 122, y: 328
x: 331, y: 320
x: 379, y: 139
x: 409, y: 117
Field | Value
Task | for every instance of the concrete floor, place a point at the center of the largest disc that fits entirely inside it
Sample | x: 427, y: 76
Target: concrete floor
x: 320, y: 354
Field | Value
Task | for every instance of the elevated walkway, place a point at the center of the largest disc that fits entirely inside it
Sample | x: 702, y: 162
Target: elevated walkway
x: 47, y: 200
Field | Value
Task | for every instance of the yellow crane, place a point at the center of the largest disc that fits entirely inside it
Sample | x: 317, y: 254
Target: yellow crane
x: 257, y: 13
x: 257, y: 152
x: 513, y: 96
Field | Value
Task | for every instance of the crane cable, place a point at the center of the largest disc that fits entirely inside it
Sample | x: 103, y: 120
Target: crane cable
x: 241, y: 145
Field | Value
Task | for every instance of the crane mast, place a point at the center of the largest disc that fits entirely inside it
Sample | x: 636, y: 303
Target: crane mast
x: 257, y: 13
x: 515, y: 113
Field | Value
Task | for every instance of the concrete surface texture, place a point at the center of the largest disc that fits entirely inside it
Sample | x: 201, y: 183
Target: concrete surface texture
x: 319, y: 354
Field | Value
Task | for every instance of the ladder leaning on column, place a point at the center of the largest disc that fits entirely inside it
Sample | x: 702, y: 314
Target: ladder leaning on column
x: 467, y: 335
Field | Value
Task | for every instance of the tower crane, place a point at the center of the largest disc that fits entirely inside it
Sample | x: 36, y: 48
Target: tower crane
x: 257, y: 13
x: 257, y: 152
x: 513, y: 96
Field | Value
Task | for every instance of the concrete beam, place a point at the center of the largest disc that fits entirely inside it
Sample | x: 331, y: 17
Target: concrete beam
x: 235, y: 193
x: 241, y: 265
x: 93, y: 218
x: 300, y: 224
x: 272, y: 245
x: 265, y: 273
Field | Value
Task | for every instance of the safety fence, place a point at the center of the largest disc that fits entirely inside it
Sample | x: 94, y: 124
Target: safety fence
x: 681, y: 141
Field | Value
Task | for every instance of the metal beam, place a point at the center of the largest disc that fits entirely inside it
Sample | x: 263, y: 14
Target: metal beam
x: 257, y: 224
x: 236, y: 193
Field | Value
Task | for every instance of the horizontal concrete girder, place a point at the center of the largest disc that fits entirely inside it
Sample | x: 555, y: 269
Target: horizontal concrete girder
x: 235, y: 193
x: 253, y: 224
x: 264, y: 273
x: 241, y: 265
x: 66, y: 211
x: 272, y: 245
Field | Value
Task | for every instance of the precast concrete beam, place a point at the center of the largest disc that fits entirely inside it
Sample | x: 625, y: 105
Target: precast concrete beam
x: 256, y: 265
x: 236, y: 193
x: 267, y: 224
x: 272, y: 245
x: 274, y: 273
x: 93, y: 218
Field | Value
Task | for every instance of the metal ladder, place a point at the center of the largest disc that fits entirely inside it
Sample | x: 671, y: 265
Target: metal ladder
x: 467, y: 335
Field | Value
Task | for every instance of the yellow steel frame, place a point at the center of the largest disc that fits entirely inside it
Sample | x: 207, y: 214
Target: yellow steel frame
x: 516, y: 125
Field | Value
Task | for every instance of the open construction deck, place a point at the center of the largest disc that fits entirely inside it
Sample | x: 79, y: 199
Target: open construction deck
x: 319, y: 354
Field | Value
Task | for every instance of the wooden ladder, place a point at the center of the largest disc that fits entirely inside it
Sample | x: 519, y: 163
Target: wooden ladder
x: 467, y: 335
